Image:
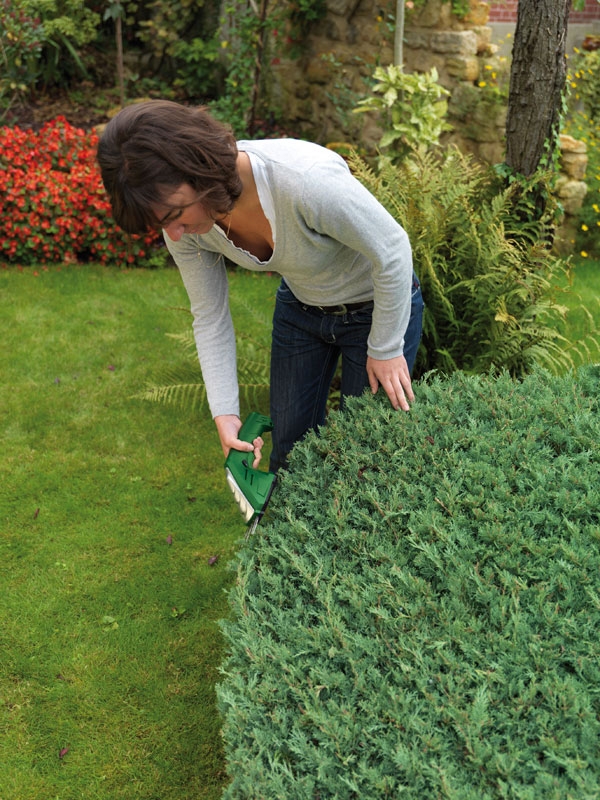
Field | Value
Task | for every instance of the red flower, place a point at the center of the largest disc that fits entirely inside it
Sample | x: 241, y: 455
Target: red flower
x: 53, y: 201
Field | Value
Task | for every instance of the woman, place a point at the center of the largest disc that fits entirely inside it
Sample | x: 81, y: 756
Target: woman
x: 285, y: 206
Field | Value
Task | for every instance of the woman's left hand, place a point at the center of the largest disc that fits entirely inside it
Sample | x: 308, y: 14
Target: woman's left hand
x: 393, y: 376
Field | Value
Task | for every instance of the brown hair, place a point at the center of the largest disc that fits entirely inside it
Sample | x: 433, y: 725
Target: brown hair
x: 149, y: 149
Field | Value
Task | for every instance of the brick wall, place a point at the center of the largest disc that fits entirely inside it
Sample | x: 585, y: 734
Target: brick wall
x: 506, y: 11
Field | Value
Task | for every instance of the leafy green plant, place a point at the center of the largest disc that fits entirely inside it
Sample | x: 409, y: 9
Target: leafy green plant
x: 343, y: 97
x: 459, y: 8
x: 490, y: 281
x: 68, y: 26
x: 245, y: 34
x: 303, y: 14
x: 239, y: 32
x: 418, y: 616
x: 197, y: 66
x: 583, y: 123
x: 21, y: 39
x: 412, y: 109
x: 584, y: 81
x: 181, y: 39
x: 116, y: 11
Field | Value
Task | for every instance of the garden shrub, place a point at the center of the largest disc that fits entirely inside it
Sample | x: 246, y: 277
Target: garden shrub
x: 584, y: 80
x: 21, y: 38
x: 53, y: 204
x: 68, y: 26
x: 418, y: 616
x: 411, y: 108
x: 178, y: 42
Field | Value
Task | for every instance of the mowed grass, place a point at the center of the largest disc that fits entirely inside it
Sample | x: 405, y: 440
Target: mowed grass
x: 112, y: 511
x: 583, y: 302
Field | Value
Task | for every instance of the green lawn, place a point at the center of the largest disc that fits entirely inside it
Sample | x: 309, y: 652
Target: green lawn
x: 583, y: 302
x: 111, y: 510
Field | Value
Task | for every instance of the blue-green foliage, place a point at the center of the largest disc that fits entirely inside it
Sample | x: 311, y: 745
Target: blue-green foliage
x: 419, y: 617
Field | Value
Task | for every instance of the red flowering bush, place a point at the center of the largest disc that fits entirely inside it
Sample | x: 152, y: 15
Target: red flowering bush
x: 52, y: 202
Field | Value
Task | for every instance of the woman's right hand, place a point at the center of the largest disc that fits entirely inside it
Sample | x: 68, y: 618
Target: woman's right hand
x: 228, y: 428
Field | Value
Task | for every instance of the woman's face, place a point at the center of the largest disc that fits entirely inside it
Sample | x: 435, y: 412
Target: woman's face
x: 182, y: 213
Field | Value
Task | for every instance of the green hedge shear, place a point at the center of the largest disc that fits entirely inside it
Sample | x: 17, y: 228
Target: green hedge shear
x: 252, y: 488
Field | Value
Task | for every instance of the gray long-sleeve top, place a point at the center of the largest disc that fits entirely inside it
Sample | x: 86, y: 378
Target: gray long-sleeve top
x: 334, y: 243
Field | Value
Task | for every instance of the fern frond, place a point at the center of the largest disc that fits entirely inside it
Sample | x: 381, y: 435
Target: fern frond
x: 183, y: 385
x: 185, y: 395
x: 487, y: 274
x: 186, y: 340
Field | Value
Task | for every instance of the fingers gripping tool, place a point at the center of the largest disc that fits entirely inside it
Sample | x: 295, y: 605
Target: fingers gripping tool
x: 252, y: 488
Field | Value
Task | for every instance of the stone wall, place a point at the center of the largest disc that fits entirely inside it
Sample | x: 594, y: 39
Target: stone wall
x: 314, y: 89
x: 571, y: 189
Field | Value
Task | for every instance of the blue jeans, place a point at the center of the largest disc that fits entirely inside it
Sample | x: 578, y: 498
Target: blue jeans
x: 306, y: 346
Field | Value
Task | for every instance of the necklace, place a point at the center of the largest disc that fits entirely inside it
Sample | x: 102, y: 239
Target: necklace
x: 222, y: 220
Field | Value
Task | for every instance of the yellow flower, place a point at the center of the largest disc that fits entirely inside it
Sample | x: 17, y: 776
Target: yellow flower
x: 584, y: 227
x: 224, y: 44
x: 482, y: 84
x: 584, y: 254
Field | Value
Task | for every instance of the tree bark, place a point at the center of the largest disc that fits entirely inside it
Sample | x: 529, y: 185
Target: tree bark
x: 537, y: 81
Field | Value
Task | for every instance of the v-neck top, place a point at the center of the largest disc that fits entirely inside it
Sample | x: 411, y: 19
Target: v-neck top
x: 333, y: 243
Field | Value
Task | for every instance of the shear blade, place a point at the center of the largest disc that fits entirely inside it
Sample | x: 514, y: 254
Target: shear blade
x: 245, y: 507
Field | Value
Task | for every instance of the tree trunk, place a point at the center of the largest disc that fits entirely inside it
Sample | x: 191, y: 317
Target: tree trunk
x: 537, y: 81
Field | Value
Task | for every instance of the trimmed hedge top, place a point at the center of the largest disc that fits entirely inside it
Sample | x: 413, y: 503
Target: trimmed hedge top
x: 420, y: 616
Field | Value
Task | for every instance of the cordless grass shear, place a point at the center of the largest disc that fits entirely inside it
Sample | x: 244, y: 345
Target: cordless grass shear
x: 252, y: 488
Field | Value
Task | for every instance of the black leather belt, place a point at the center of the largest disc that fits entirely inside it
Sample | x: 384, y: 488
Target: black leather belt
x: 343, y: 308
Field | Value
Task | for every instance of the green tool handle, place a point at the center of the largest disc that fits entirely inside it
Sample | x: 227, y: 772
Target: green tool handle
x: 255, y: 425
